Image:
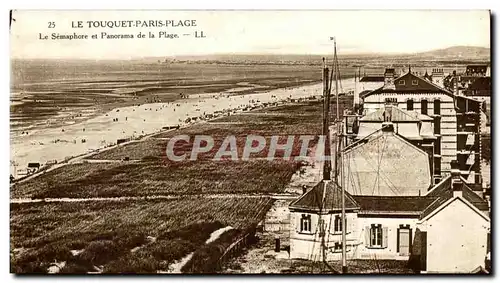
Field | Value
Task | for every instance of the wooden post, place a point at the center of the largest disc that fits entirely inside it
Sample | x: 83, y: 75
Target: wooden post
x: 326, y: 124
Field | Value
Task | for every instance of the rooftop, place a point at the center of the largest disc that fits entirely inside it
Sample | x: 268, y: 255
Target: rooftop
x: 325, y: 197
x: 372, y: 79
x: 380, y: 204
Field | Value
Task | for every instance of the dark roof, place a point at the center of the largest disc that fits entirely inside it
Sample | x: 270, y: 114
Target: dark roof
x: 313, y: 199
x: 329, y: 199
x: 372, y: 79
x: 443, y: 192
x: 423, y: 86
x: 380, y: 204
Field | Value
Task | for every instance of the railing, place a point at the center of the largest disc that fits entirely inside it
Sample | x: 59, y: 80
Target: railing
x: 236, y: 247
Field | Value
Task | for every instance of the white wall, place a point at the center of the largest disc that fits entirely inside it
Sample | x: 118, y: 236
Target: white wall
x: 448, y: 113
x: 308, y: 246
x: 456, y: 239
x: 392, y: 224
x: 386, y: 166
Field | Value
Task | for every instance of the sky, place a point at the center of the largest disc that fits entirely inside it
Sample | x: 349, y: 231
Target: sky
x: 260, y: 32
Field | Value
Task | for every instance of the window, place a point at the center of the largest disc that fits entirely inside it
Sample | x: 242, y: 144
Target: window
x: 409, y: 104
x: 437, y: 107
x: 305, y: 223
x: 437, y: 125
x: 414, y: 82
x: 338, y: 223
x: 423, y: 106
x: 338, y: 246
x: 437, y: 146
x: 376, y: 236
x: 437, y: 166
x: 402, y: 82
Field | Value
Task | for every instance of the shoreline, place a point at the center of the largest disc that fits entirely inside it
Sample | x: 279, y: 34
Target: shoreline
x: 149, y: 119
x: 98, y: 110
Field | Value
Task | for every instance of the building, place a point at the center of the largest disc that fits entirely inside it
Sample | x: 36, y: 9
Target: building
x: 471, y: 74
x: 460, y: 212
x: 452, y: 114
x: 385, y: 163
x: 429, y: 231
x: 372, y: 82
x: 315, y: 217
x: 478, y: 70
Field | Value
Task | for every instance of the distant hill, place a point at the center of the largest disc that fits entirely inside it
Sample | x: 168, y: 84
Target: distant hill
x: 462, y: 52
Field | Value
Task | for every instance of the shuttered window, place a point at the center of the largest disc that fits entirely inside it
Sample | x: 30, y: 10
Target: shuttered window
x: 376, y: 236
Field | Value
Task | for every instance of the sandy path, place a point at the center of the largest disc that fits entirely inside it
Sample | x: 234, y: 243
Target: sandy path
x: 166, y: 197
x: 177, y: 266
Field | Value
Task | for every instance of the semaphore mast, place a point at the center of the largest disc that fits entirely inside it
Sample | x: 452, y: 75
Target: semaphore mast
x: 327, y: 89
x: 339, y: 155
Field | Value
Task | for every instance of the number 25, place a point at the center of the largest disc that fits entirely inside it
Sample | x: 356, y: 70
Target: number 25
x: 52, y: 25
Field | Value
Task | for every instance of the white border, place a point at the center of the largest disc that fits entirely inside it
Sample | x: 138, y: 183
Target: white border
x: 199, y: 4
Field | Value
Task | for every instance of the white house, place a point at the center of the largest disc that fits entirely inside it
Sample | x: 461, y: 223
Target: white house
x: 463, y: 218
x: 443, y: 231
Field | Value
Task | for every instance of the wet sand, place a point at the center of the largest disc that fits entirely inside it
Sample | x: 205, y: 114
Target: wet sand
x: 131, y: 122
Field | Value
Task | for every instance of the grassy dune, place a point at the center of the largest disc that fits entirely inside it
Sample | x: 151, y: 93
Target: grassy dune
x: 106, y: 232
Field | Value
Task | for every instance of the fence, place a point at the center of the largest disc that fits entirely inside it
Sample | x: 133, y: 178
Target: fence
x: 236, y: 247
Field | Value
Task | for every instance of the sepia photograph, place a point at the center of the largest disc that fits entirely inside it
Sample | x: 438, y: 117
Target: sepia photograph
x: 258, y: 142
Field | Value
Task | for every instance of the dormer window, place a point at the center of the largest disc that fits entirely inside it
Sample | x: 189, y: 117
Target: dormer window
x: 414, y: 82
x: 402, y: 82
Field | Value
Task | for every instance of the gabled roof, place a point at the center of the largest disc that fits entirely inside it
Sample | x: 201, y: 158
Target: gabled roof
x: 398, y: 115
x: 325, y: 199
x: 422, y: 86
x: 431, y: 213
x: 379, y: 134
x: 444, y: 192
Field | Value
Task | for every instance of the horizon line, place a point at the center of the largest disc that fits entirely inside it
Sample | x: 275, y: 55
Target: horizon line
x: 369, y: 53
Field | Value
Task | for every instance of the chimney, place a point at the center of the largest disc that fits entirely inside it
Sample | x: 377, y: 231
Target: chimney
x: 304, y: 189
x: 438, y: 76
x: 456, y: 182
x: 389, y: 75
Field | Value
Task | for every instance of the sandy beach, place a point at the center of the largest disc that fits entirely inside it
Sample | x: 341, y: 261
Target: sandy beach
x: 80, y: 137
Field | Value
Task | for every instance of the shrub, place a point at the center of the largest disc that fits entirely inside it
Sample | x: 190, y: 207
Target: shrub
x: 100, y: 252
